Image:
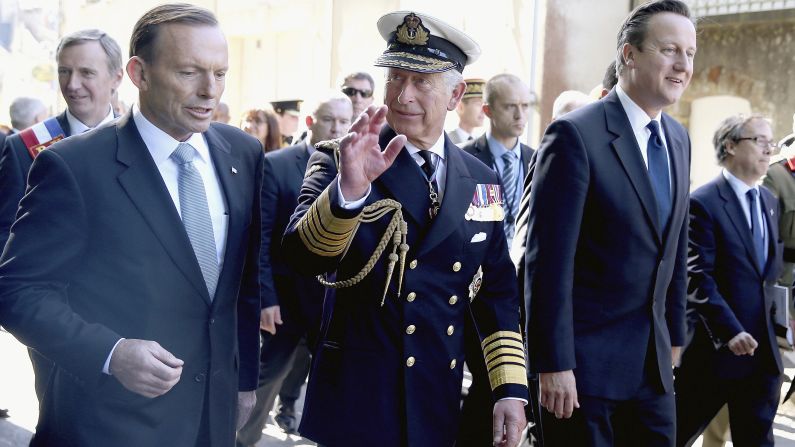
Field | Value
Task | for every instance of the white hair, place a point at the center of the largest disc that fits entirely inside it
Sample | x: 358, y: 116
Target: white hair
x: 568, y: 101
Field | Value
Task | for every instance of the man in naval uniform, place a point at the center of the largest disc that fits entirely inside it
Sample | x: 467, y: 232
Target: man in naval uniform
x: 409, y: 238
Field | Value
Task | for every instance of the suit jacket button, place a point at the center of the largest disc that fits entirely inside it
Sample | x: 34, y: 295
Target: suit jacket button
x: 410, y: 329
x: 410, y: 362
x: 212, y: 320
x: 413, y: 264
x: 410, y: 297
x: 198, y: 378
x: 453, y: 299
x: 456, y: 266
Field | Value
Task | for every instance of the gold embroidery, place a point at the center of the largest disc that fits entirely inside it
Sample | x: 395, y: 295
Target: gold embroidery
x: 323, y: 233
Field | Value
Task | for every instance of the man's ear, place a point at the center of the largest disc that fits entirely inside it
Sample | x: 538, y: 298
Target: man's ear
x: 309, y: 121
x: 487, y: 110
x: 628, y: 54
x: 458, y: 94
x: 136, y: 70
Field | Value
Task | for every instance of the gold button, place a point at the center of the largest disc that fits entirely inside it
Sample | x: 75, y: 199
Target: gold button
x: 453, y: 299
x: 450, y: 330
x: 410, y: 297
x: 410, y: 362
x: 413, y: 264
x: 452, y: 364
x: 410, y: 329
x: 456, y: 266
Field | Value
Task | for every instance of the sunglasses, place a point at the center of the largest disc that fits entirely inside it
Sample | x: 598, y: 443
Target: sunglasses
x: 350, y: 91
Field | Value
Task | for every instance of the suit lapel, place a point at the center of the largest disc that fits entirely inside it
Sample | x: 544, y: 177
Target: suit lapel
x: 628, y: 152
x: 405, y: 182
x: 302, y: 159
x: 145, y: 187
x: 483, y: 152
x: 458, y: 192
x: 768, y: 207
x: 737, y: 217
x: 679, y: 175
x: 64, y: 122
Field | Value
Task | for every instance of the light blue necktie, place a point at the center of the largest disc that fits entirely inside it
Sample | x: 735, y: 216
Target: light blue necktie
x: 196, y: 215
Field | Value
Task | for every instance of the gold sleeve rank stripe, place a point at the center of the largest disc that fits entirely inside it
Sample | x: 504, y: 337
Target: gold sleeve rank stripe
x: 323, y: 233
x: 505, y: 359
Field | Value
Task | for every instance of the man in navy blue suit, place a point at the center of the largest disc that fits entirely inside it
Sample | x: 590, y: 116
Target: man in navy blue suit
x: 605, y: 275
x: 89, y: 71
x: 736, y: 259
x: 135, y: 268
x: 291, y: 303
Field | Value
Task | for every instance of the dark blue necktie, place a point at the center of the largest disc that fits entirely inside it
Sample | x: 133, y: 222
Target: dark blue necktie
x: 756, y: 229
x: 658, y: 173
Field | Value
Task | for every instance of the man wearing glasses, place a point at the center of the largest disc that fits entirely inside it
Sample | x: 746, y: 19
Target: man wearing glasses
x: 735, y: 260
x: 358, y: 86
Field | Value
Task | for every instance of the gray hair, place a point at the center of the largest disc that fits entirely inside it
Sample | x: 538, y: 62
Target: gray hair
x: 23, y: 112
x: 633, y: 30
x: 568, y: 101
x: 329, y: 96
x: 108, y: 44
x: 452, y: 78
x: 731, y: 130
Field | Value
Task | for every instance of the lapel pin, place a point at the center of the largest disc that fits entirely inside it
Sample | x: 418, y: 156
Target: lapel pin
x: 234, y: 170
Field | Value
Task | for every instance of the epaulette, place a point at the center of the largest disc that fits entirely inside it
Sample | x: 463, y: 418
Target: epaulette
x: 331, y: 147
x: 39, y: 136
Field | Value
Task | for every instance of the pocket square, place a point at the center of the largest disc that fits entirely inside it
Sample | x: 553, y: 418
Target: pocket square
x: 480, y: 237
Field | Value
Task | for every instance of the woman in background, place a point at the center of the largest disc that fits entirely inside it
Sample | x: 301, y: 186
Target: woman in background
x: 262, y: 125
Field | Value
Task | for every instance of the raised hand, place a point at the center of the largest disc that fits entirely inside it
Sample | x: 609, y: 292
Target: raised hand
x: 144, y: 367
x: 361, y: 158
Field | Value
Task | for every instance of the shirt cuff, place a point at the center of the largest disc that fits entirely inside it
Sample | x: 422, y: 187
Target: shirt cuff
x: 524, y: 401
x: 347, y: 205
x: 106, y: 366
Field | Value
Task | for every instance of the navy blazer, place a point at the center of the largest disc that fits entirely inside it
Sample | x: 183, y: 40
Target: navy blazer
x: 602, y: 279
x: 15, y: 163
x: 399, y: 366
x: 727, y: 288
x: 300, y: 297
x: 99, y: 253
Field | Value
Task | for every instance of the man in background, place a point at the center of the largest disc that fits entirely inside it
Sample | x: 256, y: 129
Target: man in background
x: 469, y: 111
x: 288, y: 112
x: 358, y: 87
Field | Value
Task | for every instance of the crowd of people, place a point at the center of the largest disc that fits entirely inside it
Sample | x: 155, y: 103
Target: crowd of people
x: 173, y: 270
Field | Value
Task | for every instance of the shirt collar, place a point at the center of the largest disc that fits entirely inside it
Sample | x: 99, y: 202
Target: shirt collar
x: 160, y: 144
x: 437, y: 148
x: 76, y: 127
x: 463, y: 133
x: 740, y: 187
x: 638, y: 119
x: 498, y: 149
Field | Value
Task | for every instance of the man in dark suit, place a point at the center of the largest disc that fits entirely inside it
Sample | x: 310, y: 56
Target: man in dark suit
x: 507, y: 103
x: 736, y: 257
x: 392, y: 335
x: 291, y: 303
x: 135, y: 268
x: 89, y: 71
x: 606, y: 253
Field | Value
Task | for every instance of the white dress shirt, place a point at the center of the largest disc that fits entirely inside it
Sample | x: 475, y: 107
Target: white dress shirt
x: 76, y: 127
x: 638, y: 119
x: 741, y: 189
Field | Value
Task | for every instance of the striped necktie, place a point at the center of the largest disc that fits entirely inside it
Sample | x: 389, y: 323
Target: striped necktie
x: 509, y: 176
x: 196, y: 215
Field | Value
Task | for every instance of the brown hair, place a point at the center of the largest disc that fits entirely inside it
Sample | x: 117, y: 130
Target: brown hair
x: 274, y: 139
x: 146, y: 29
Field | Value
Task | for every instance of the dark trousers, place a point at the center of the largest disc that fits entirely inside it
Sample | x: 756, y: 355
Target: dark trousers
x: 291, y: 387
x: 478, y: 405
x: 752, y: 402
x: 647, y: 420
x: 277, y: 355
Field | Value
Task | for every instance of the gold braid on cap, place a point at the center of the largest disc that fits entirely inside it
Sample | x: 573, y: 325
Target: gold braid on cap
x: 396, y: 230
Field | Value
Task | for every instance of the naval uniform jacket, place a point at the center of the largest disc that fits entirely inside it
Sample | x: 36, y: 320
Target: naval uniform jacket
x: 398, y: 368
